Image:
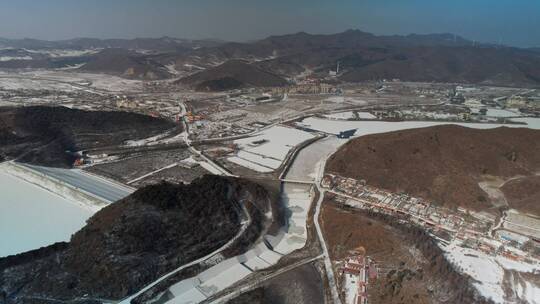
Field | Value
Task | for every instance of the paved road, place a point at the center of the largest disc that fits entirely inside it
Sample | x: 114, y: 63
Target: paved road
x: 245, y: 225
x: 94, y: 185
x: 316, y: 217
x: 249, y: 285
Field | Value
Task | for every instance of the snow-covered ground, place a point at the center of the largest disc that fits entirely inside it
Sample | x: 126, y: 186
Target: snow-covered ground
x: 34, y: 84
x: 341, y: 115
x: 430, y: 115
x: 9, y: 58
x: 91, y: 190
x: 171, y: 68
x: 153, y: 140
x: 65, y: 53
x: 222, y: 275
x: 261, y: 159
x: 366, y: 115
x: 32, y: 217
x: 297, y: 199
x: 336, y: 99
x: 375, y: 127
x: 166, y: 137
x: 210, y: 168
x: 306, y: 161
x: 98, y: 81
x: 351, y: 288
x: 350, y: 115
x: 250, y: 165
x: 267, y: 149
x: 532, y: 122
x: 501, y: 113
x: 488, y: 271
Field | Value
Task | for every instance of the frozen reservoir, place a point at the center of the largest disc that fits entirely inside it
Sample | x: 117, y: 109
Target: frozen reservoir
x: 32, y: 217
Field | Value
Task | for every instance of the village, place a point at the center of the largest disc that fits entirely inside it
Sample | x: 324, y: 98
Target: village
x: 512, y: 239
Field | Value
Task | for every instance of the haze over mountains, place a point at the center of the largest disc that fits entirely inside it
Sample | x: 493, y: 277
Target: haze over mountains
x: 156, y: 44
x: 362, y: 57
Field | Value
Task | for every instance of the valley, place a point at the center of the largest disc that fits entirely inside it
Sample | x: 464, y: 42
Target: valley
x: 341, y: 168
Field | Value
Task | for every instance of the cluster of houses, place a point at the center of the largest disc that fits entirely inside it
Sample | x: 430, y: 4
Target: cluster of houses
x: 472, y: 229
x: 356, y: 270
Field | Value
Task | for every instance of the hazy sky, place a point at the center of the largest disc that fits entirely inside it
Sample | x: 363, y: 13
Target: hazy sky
x: 515, y: 22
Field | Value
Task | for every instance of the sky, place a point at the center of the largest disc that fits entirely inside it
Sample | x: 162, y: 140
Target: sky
x: 512, y: 22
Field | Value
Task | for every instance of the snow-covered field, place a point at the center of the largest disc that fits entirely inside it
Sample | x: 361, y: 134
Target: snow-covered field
x: 265, y: 151
x: 351, y: 288
x: 366, y: 115
x: 430, y: 115
x: 9, y: 58
x: 64, y: 53
x: 532, y: 122
x: 376, y: 127
x: 341, y: 115
x: 34, y: 84
x: 350, y: 115
x: 336, y: 99
x: 98, y: 81
x: 222, y: 275
x: 250, y: 165
x: 501, y: 113
x: 32, y: 217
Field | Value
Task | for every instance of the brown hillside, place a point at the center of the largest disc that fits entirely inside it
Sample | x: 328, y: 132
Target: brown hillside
x: 442, y: 163
x: 232, y: 74
x: 364, y: 56
x: 127, y: 64
x: 524, y: 194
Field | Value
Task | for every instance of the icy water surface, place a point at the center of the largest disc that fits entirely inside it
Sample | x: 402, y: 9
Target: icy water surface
x: 32, y: 217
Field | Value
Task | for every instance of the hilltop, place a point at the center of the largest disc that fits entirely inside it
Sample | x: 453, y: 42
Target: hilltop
x: 364, y: 56
x: 42, y: 135
x: 232, y: 74
x: 444, y: 164
x: 125, y: 63
x: 134, y: 241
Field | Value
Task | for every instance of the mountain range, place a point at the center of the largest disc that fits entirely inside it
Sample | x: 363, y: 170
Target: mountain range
x: 362, y: 57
